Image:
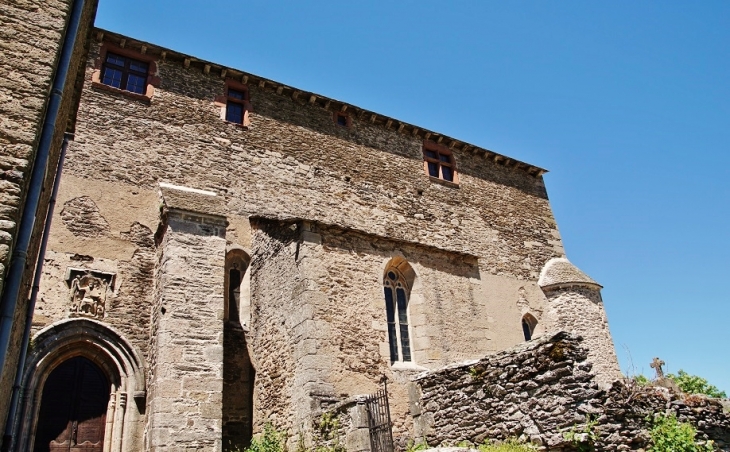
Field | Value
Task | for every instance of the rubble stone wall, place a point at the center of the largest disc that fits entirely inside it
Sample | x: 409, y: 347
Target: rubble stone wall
x: 543, y: 389
x: 293, y: 161
x: 32, y: 33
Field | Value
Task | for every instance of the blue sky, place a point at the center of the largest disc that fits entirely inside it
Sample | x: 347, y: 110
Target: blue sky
x: 626, y: 103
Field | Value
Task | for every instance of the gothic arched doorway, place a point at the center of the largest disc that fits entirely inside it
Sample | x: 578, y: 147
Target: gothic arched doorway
x: 73, y: 408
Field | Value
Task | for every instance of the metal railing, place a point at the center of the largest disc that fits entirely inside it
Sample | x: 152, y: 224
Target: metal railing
x: 379, y: 424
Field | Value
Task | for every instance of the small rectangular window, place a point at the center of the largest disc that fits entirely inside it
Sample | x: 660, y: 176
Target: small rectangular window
x: 342, y: 119
x: 235, y: 106
x: 125, y: 73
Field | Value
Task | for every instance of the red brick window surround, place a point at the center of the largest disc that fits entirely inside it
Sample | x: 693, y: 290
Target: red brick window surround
x: 235, y: 104
x: 439, y: 163
x: 126, y: 71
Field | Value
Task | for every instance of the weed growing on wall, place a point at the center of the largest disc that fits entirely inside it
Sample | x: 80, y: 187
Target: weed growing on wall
x: 329, y: 429
x: 670, y: 435
x: 413, y: 446
x: 511, y: 445
x: 584, y: 438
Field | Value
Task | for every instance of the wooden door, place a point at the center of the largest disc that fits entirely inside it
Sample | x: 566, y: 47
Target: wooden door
x: 73, y: 408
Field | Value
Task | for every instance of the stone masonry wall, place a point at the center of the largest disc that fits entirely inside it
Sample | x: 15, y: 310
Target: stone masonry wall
x: 335, y: 326
x: 31, y: 36
x: 542, y: 389
x: 284, y: 334
x: 186, y: 373
x: 329, y: 207
x: 295, y: 162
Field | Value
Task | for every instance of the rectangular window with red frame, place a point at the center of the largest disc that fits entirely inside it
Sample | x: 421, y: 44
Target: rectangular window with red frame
x: 125, y: 73
x: 439, y: 162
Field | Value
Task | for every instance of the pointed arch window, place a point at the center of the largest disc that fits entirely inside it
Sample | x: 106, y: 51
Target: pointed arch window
x: 528, y: 326
x: 236, y: 290
x: 396, y: 305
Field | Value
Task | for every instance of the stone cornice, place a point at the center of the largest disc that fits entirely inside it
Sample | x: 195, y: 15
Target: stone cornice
x: 306, y: 97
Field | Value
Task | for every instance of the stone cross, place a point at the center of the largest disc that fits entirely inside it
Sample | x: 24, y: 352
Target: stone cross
x: 657, y: 364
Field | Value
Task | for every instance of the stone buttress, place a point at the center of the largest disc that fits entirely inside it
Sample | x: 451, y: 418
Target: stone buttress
x: 186, y: 375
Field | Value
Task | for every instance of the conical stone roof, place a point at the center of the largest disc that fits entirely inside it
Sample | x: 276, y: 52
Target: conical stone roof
x: 559, y: 271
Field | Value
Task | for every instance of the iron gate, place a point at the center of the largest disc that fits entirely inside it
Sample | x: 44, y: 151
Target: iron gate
x: 379, y: 425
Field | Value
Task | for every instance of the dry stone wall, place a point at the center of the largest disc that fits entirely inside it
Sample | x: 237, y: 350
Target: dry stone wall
x: 543, y: 389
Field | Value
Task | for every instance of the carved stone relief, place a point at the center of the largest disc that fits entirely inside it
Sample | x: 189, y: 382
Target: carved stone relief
x: 89, y: 289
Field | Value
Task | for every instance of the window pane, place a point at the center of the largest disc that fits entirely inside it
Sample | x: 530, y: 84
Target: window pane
x: 402, y: 305
x: 444, y: 158
x: 390, y: 314
x: 431, y: 154
x: 138, y: 66
x: 233, y: 94
x: 403, y: 322
x: 405, y: 342
x: 114, y: 59
x: 433, y: 169
x: 392, y: 343
x: 234, y: 112
x: 112, y: 77
x: 389, y: 308
x: 448, y: 173
x: 136, y: 84
x: 342, y: 120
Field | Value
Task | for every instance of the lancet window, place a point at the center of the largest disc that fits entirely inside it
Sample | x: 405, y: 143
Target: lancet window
x: 396, y: 291
x: 528, y: 326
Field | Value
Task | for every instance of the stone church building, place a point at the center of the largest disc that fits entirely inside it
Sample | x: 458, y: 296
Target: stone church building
x: 228, y: 251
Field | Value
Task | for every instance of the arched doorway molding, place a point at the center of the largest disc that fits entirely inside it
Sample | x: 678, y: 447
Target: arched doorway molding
x: 108, y: 349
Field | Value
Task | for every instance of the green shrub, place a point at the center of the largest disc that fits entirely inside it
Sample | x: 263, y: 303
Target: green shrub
x: 692, y: 384
x: 271, y: 440
x: 670, y: 435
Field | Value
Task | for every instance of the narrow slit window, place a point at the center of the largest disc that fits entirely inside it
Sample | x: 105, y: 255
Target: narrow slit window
x: 528, y: 326
x: 234, y: 294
